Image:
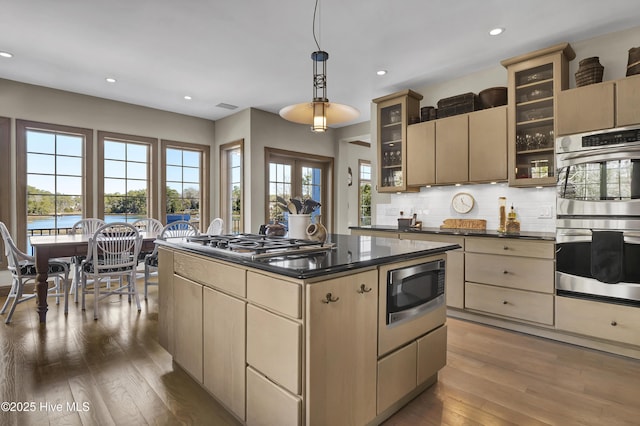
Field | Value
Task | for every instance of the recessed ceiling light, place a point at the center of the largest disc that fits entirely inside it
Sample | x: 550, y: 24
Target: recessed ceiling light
x: 110, y: 80
x: 381, y: 72
x: 496, y: 31
x: 187, y: 97
x: 6, y: 55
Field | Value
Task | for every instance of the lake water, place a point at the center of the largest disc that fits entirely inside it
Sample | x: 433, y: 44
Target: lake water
x: 67, y: 221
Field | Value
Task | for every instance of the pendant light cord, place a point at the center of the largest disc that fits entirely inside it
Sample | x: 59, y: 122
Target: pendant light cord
x: 315, y: 10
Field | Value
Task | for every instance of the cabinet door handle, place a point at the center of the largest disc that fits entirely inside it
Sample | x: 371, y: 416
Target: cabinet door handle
x: 614, y: 323
x: 329, y: 298
x: 504, y: 302
x: 505, y: 272
x: 363, y: 289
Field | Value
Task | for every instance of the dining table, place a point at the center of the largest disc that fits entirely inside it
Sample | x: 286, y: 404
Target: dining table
x: 46, y: 247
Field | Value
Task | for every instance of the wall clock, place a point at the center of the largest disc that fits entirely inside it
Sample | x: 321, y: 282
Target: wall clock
x: 462, y: 202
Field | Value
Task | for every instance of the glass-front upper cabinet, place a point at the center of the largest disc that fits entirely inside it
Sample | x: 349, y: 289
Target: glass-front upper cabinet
x: 395, y: 111
x: 535, y: 79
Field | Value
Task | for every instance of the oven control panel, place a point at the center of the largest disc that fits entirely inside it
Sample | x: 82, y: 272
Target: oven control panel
x: 612, y: 138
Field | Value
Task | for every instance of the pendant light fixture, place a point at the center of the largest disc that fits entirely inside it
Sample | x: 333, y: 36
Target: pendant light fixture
x: 319, y: 113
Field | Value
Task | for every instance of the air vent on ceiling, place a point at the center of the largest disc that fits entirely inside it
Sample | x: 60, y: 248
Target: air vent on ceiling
x: 226, y: 106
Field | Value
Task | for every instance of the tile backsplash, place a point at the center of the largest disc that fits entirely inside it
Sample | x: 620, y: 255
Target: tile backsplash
x: 535, y: 207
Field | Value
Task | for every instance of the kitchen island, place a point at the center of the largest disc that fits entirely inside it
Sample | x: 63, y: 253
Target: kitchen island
x: 300, y: 340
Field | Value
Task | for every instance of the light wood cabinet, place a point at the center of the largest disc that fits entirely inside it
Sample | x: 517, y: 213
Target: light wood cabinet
x: 535, y: 79
x: 341, y: 349
x: 507, y: 302
x: 393, y: 115
x: 421, y: 158
x: 397, y: 375
x: 452, y: 149
x: 611, y: 104
x: 510, y: 278
x: 268, y: 404
x: 431, y: 358
x: 224, y: 334
x: 586, y: 108
x: 187, y: 311
x: 454, y: 285
x: 524, y: 273
x: 488, y: 145
x: 601, y: 320
x: 165, y: 299
x: 275, y: 294
x: 463, y: 148
x: 274, y: 347
x: 627, y: 105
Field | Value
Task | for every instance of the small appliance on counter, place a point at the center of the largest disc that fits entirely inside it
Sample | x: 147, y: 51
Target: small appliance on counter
x: 407, y: 223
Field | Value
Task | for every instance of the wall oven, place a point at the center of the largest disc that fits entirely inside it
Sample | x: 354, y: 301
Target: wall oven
x: 598, y: 215
x: 415, y: 290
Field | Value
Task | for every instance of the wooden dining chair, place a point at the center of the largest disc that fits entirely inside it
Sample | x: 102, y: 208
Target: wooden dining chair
x: 216, y: 227
x: 87, y: 226
x: 23, y: 269
x: 113, y: 252
x: 180, y: 228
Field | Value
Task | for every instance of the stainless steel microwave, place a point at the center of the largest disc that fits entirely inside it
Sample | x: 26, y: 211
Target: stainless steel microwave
x: 415, y: 290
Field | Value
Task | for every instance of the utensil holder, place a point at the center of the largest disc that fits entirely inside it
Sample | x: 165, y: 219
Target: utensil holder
x: 298, y: 224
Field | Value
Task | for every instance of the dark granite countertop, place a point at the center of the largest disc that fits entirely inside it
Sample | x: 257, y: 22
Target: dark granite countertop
x: 351, y: 252
x: 548, y: 236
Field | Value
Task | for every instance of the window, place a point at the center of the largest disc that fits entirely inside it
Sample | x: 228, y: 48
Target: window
x: 125, y: 180
x: 294, y: 174
x: 53, y: 178
x: 231, y: 186
x: 185, y: 179
x: 364, y: 192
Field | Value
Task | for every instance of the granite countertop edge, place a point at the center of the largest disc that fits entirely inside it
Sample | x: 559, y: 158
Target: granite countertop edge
x: 314, y: 273
x: 545, y: 236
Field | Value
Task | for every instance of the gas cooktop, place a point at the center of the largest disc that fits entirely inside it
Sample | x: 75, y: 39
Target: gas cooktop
x: 255, y: 246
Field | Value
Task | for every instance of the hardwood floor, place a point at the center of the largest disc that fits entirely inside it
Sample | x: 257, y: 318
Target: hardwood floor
x: 117, y: 374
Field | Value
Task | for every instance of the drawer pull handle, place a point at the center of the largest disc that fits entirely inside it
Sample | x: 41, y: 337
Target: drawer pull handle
x: 363, y: 289
x: 329, y: 298
x: 505, y: 272
x: 613, y: 323
x: 505, y: 248
x: 504, y: 302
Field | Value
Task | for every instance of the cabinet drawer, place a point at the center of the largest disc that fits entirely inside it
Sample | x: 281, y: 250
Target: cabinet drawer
x: 432, y: 353
x: 212, y: 274
x: 268, y: 404
x: 511, y: 247
x: 597, y: 319
x: 274, y: 293
x: 274, y: 347
x: 510, y: 271
x: 443, y: 238
x: 507, y: 302
x: 396, y: 375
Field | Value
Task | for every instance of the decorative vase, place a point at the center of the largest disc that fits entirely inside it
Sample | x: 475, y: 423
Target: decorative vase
x: 317, y: 231
x: 633, y: 63
x: 589, y: 72
x: 298, y: 225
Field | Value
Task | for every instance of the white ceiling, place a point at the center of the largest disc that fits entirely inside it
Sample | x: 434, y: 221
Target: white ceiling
x: 256, y: 53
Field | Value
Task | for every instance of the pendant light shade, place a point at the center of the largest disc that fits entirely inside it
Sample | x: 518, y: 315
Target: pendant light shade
x: 319, y: 113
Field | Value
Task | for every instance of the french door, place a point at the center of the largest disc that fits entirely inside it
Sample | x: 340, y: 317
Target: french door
x: 297, y: 175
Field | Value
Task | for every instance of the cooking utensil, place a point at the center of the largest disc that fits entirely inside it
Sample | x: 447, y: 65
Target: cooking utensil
x: 310, y: 206
x: 292, y: 208
x: 298, y: 205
